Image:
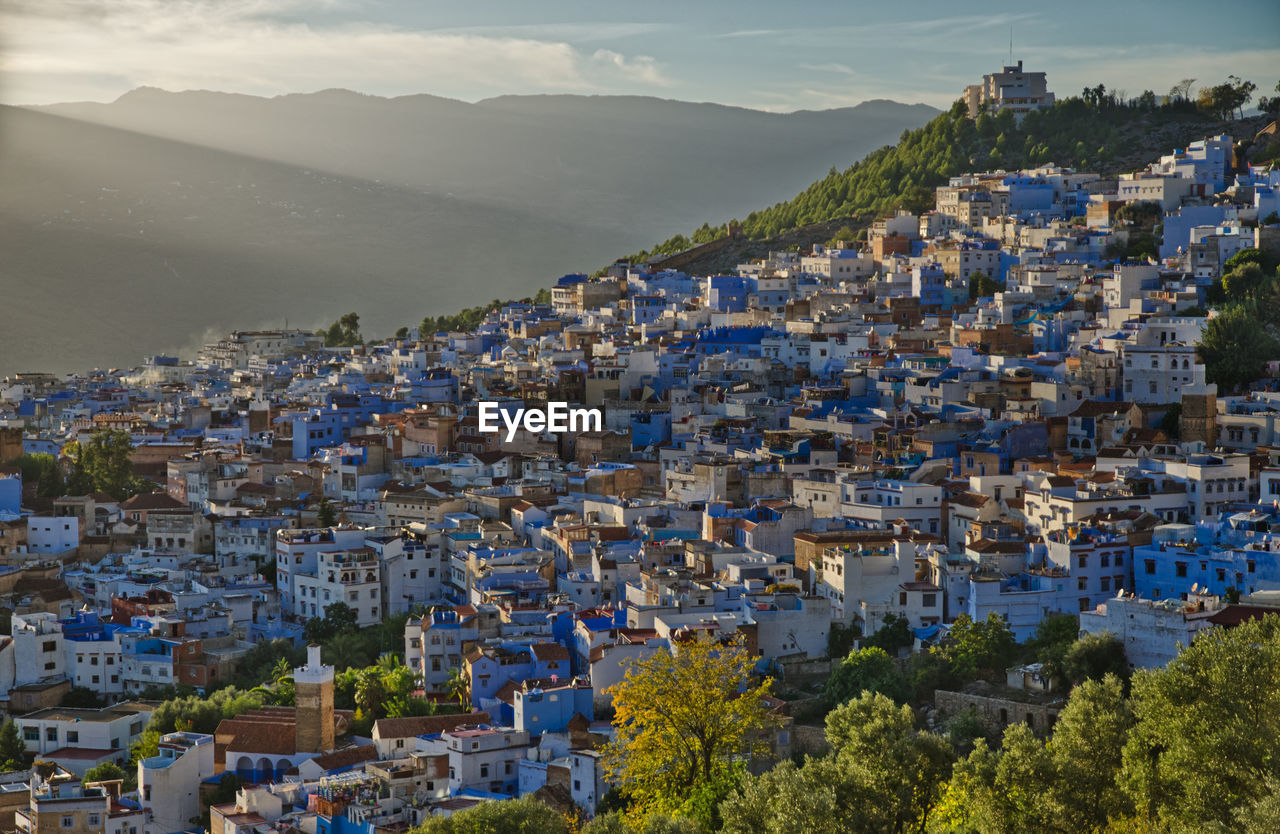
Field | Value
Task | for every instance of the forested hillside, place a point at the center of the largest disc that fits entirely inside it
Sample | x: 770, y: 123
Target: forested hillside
x: 1095, y: 131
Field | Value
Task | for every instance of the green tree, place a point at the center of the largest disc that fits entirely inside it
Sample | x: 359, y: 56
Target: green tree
x: 1234, y: 347
x: 1053, y: 638
x: 964, y: 729
x: 893, y: 636
x: 370, y: 691
x: 613, y: 822
x: 1270, y: 105
x: 105, y: 772
x: 882, y: 775
x: 1244, y: 280
x: 103, y: 465
x: 325, y: 514
x: 1249, y: 255
x: 1086, y: 751
x: 840, y: 639
x: 1093, y: 657
x: 458, y: 686
x: 345, y: 332
x: 13, y: 750
x: 980, y: 286
x: 513, y: 816
x: 347, y: 650
x: 927, y: 672
x: 42, y: 470
x: 682, y: 723
x: 979, y: 649
x: 228, y: 786
x: 269, y: 660
x: 82, y: 697
x: 1207, y: 741
x: 865, y: 670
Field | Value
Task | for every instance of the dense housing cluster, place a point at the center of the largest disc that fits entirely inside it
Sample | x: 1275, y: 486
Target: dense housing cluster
x: 1001, y: 406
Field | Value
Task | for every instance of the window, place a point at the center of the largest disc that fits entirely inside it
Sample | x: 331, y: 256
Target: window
x: 930, y: 600
x: 68, y: 822
x: 31, y: 733
x: 73, y: 736
x: 1181, y: 569
x: 49, y: 646
x: 484, y: 771
x: 93, y: 820
x: 50, y: 733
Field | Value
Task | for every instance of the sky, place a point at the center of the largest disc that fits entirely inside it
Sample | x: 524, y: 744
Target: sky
x: 778, y: 55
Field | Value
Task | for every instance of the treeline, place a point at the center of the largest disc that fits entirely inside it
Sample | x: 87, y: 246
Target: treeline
x: 1244, y: 336
x: 1088, y: 131
x: 471, y: 317
x: 100, y: 464
x: 1192, y: 747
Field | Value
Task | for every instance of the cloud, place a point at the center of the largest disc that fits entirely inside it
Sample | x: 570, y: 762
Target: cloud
x: 75, y: 49
x: 840, y: 68
x: 641, y: 68
x: 877, y: 33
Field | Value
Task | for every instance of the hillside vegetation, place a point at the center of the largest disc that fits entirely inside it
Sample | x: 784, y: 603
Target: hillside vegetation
x: 1096, y: 132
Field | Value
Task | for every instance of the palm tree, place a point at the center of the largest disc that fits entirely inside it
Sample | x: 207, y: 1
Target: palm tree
x: 346, y: 650
x: 369, y: 690
x: 459, y: 686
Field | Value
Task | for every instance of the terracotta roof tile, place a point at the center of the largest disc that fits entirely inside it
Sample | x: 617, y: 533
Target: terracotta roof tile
x: 425, y: 724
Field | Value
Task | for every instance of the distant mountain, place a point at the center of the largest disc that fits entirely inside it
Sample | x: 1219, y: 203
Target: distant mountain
x: 116, y: 244
x: 1108, y: 138
x: 160, y: 220
x: 628, y: 161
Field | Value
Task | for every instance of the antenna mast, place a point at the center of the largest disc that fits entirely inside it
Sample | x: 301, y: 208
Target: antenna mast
x: 1010, y: 44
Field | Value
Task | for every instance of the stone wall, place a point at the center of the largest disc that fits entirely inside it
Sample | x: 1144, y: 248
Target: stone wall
x: 997, y: 713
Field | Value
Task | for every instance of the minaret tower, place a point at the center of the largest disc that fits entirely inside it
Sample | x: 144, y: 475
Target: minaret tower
x: 313, y: 693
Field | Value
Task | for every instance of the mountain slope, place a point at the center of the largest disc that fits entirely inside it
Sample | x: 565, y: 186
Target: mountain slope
x: 632, y: 162
x: 117, y: 244
x: 1108, y: 138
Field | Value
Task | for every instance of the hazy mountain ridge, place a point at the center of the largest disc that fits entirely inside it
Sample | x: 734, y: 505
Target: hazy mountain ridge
x: 118, y: 244
x: 623, y: 160
x: 150, y: 223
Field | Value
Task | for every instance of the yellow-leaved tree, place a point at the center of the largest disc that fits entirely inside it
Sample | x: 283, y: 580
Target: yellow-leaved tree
x: 686, y: 723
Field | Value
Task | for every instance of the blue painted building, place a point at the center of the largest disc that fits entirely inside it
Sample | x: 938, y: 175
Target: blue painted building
x: 548, y: 707
x: 1166, y: 570
x: 737, y: 341
x: 10, y: 493
x: 929, y: 284
x: 649, y: 428
x: 1029, y: 194
x: 728, y: 293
